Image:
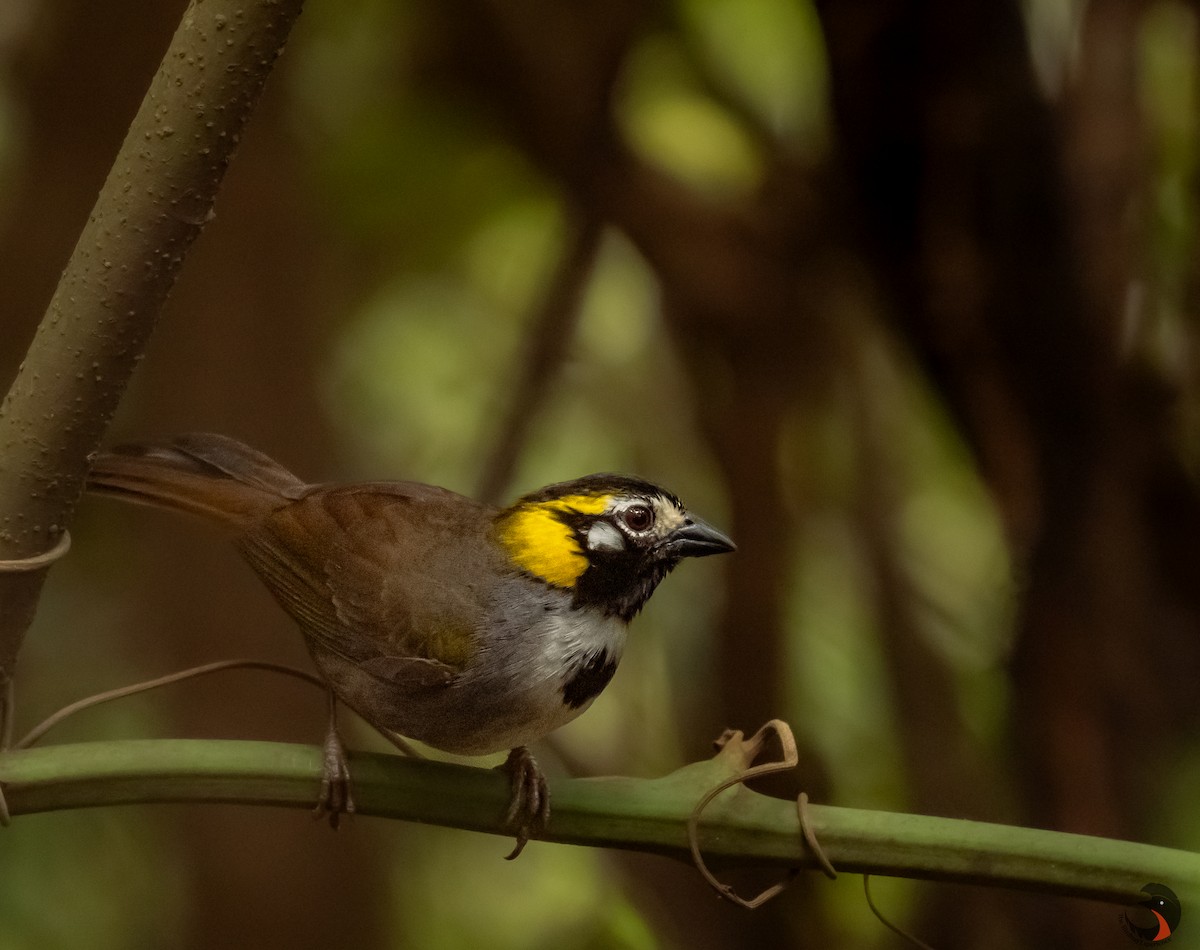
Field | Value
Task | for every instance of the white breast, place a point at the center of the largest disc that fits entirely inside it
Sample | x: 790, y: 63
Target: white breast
x: 569, y: 636
x: 567, y: 640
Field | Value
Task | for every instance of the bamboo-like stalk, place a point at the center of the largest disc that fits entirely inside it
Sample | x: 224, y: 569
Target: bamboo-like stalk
x: 741, y: 828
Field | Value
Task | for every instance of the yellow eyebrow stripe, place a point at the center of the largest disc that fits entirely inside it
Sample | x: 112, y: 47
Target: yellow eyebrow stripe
x: 539, y: 543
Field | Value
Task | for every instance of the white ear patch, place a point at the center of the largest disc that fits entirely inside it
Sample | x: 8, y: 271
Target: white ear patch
x: 602, y: 536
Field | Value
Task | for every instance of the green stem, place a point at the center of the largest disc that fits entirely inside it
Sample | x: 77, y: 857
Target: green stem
x: 740, y: 828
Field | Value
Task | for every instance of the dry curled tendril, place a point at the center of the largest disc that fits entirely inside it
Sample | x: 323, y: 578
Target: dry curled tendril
x: 38, y: 561
x: 749, y: 750
x: 731, y: 743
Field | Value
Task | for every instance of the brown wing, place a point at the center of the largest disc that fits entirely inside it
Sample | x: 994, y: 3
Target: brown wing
x: 385, y: 575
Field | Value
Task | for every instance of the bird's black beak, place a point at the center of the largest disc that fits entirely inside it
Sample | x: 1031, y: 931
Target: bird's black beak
x: 697, y: 539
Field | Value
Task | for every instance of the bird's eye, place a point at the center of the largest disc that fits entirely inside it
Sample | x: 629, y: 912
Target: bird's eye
x: 638, y: 517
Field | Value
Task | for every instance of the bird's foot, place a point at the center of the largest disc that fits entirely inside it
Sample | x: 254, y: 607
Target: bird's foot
x: 529, y: 809
x: 335, y: 798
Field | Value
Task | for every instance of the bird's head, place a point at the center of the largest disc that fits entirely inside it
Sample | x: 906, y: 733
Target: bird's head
x: 609, y: 539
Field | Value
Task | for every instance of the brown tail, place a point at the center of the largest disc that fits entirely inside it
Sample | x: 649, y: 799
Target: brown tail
x: 213, y: 476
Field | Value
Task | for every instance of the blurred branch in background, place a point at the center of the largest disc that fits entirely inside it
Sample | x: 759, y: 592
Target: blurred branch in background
x: 1010, y: 286
x: 730, y: 297
x: 546, y: 341
x: 942, y: 761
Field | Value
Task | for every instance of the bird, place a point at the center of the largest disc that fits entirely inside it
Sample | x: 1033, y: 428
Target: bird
x: 471, y: 628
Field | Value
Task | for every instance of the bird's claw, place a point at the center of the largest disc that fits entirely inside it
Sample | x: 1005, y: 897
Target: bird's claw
x: 529, y: 809
x: 335, y: 798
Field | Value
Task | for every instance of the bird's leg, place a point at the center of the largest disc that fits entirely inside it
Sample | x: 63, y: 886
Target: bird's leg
x: 335, y: 798
x: 529, y: 809
x: 401, y: 743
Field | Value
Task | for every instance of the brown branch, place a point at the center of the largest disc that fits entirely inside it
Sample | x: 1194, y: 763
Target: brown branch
x: 550, y: 333
x: 156, y: 200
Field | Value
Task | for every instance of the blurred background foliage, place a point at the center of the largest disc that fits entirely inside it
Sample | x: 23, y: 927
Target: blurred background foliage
x: 903, y: 295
